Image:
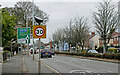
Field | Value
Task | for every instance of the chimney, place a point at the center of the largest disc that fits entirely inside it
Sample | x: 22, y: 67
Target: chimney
x: 92, y: 33
x: 88, y: 35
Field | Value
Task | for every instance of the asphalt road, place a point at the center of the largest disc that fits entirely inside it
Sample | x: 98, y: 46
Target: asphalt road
x: 67, y: 64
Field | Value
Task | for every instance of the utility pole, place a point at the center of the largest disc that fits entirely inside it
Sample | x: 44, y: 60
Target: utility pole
x: 33, y: 24
x: 27, y: 36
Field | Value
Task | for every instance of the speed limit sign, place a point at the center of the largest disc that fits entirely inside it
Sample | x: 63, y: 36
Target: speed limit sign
x: 39, y: 31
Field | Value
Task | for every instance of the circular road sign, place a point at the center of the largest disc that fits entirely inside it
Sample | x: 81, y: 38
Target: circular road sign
x: 39, y: 31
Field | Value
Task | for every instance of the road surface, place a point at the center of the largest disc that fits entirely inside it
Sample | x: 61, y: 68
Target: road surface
x: 67, y: 64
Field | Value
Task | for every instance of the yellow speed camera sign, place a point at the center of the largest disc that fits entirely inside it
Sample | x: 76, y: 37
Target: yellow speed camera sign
x: 39, y: 31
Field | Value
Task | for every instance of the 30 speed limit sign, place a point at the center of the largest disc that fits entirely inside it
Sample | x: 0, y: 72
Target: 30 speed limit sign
x: 39, y: 31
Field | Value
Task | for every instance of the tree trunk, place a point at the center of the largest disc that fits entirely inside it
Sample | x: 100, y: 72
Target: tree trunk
x: 104, y: 46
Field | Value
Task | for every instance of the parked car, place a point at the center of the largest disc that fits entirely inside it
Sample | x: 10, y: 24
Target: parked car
x: 52, y: 52
x: 46, y: 52
x: 92, y: 51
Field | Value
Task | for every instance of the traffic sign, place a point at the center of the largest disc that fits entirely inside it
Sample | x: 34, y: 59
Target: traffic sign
x: 39, y: 31
x: 23, y: 35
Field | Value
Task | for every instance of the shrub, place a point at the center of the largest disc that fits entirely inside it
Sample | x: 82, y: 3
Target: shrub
x: 106, y: 55
x: 100, y: 49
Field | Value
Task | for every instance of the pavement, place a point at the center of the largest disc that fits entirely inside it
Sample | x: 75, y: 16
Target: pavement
x: 0, y: 68
x: 23, y: 64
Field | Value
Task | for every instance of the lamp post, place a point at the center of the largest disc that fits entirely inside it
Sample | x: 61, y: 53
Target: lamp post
x: 33, y: 24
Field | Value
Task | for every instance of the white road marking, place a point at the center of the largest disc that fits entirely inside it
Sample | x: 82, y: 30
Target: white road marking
x: 80, y: 71
x: 106, y: 70
x: 55, y: 71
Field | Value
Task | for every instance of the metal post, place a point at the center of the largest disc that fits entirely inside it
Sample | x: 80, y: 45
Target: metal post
x: 18, y: 48
x: 28, y: 49
x: 33, y: 24
x: 33, y: 49
x: 27, y: 39
x: 11, y: 48
x: 39, y: 66
x: 21, y: 50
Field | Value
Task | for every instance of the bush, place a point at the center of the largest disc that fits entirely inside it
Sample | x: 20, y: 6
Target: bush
x: 98, y: 55
x: 100, y: 49
x: 7, y: 48
x: 117, y: 56
x: 106, y: 55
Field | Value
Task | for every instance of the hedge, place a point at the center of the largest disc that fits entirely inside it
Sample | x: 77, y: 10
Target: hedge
x: 106, y: 55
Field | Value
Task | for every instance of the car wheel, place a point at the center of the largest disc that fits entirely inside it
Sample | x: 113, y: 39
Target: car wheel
x: 50, y: 56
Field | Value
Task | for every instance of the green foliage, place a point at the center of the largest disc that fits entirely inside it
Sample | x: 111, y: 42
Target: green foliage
x: 7, y: 48
x: 8, y: 24
x: 112, y: 50
x: 100, y: 49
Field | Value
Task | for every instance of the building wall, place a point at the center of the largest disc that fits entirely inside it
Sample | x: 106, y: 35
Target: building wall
x: 110, y: 42
x: 94, y: 41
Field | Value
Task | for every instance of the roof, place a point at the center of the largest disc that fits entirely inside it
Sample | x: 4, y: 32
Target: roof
x: 116, y: 35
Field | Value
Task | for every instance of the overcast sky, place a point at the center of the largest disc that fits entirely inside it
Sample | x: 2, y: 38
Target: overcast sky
x: 61, y: 11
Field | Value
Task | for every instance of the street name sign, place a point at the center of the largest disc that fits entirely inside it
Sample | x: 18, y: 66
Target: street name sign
x: 39, y: 31
x: 23, y: 35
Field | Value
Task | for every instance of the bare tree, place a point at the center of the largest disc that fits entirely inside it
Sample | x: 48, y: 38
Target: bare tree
x: 80, y: 31
x: 105, y: 20
x: 75, y: 33
x: 23, y: 13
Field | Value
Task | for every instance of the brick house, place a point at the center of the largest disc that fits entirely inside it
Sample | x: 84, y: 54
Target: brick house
x: 115, y: 40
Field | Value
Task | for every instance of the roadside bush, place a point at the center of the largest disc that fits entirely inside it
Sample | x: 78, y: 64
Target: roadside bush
x: 73, y: 53
x: 98, y: 55
x: 100, y: 49
x: 106, y: 55
x: 117, y: 56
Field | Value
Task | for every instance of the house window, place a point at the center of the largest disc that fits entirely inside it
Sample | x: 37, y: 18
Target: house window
x: 117, y: 38
x: 114, y: 44
x: 114, y: 39
x: 117, y: 44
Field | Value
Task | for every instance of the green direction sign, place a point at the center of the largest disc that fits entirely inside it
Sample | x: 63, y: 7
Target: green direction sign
x: 23, y: 35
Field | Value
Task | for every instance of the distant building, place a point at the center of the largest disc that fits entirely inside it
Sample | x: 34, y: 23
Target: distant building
x: 92, y: 41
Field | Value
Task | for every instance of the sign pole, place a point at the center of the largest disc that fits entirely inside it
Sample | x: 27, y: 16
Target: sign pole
x: 21, y: 50
x: 28, y: 45
x: 39, y: 56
